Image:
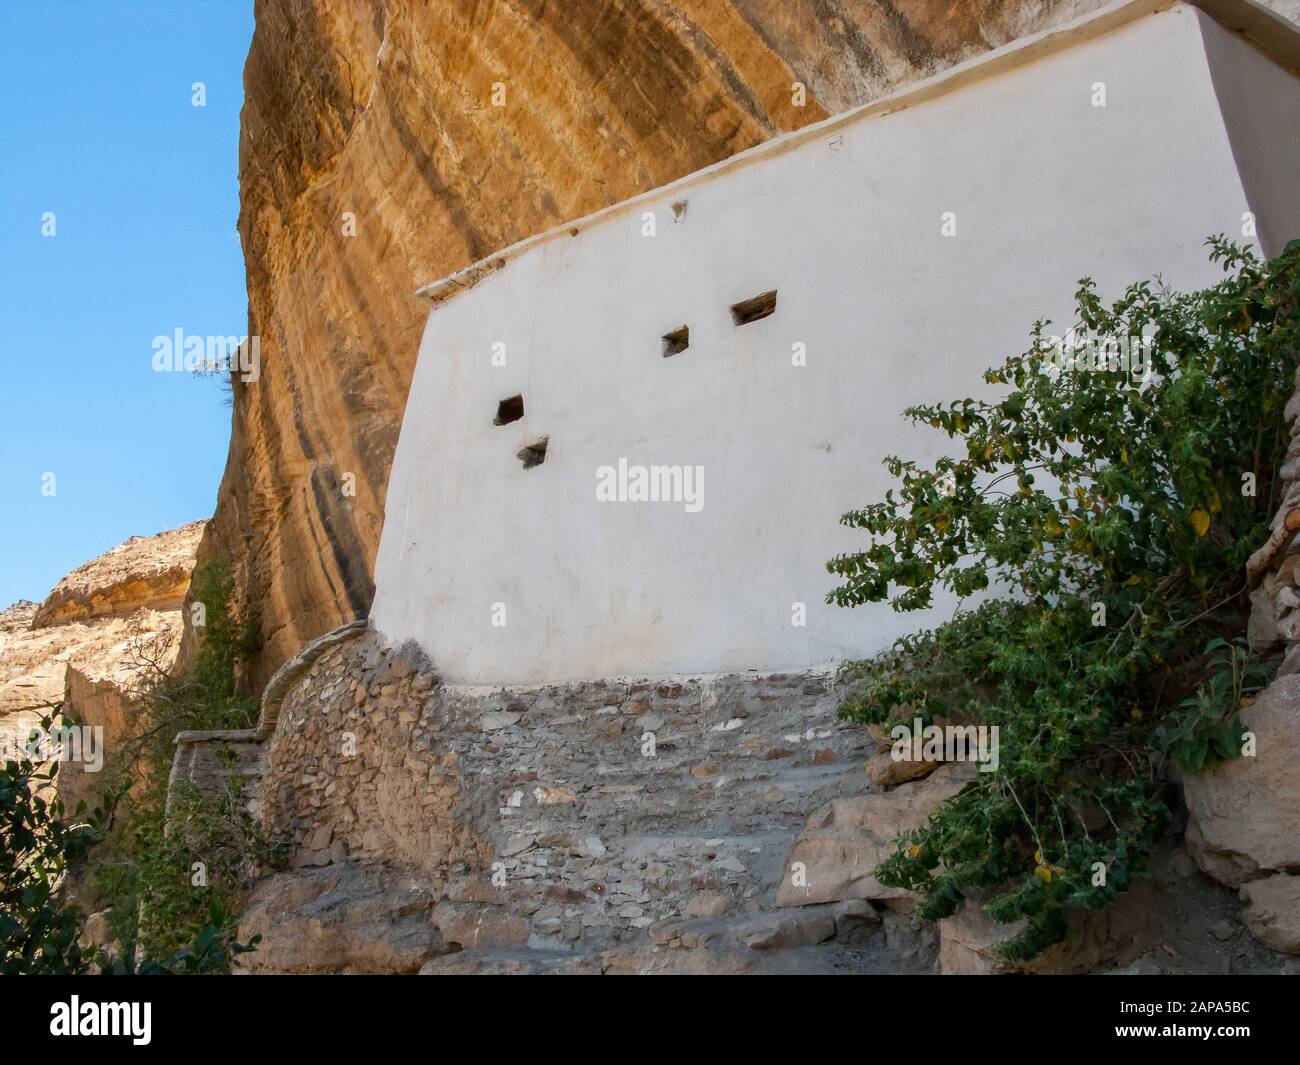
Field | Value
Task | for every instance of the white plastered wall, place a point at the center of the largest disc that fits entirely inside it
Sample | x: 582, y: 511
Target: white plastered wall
x: 1260, y: 105
x: 846, y: 226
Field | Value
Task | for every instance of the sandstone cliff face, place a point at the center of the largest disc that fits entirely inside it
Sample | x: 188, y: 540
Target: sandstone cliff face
x: 373, y: 161
x: 91, y: 614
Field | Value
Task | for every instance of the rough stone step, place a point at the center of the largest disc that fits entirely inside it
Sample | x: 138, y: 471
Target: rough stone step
x: 846, y: 937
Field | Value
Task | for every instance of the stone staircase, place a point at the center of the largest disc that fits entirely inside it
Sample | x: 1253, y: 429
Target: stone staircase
x: 667, y: 861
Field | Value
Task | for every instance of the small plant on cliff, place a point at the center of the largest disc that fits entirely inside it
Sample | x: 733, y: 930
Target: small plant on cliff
x: 200, y: 698
x: 1116, y: 512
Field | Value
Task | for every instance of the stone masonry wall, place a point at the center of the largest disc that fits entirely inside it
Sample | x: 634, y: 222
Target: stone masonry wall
x: 358, y: 766
x: 602, y: 808
x: 208, y: 760
x: 1274, y: 569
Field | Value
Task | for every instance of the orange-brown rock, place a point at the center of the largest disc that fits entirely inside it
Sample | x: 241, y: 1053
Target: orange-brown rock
x: 373, y: 160
x: 95, y: 616
x: 92, y: 643
x: 145, y: 571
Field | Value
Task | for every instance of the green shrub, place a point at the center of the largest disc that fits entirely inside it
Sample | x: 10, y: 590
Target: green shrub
x: 1115, y: 515
x: 172, y: 875
x: 39, y: 841
x: 177, y: 874
x: 223, y: 641
x: 173, y: 867
x: 40, y: 845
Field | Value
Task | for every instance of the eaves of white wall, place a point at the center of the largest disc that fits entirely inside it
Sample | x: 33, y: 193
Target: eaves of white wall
x: 1257, y: 104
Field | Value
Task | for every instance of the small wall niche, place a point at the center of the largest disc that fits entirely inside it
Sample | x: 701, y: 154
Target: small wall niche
x: 677, y: 341
x: 510, y: 409
x: 534, y: 454
x: 752, y: 310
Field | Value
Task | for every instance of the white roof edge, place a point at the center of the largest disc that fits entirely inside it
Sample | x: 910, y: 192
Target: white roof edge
x: 1271, y: 33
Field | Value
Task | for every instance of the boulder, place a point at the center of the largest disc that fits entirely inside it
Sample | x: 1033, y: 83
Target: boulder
x: 845, y: 840
x: 787, y: 930
x: 1273, y: 912
x: 887, y: 771
x: 471, y: 926
x: 350, y: 918
x: 968, y: 940
x: 1242, y: 814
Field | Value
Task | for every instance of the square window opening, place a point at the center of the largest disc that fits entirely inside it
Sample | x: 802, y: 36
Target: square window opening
x: 534, y: 454
x: 755, y: 309
x: 510, y: 409
x: 677, y: 341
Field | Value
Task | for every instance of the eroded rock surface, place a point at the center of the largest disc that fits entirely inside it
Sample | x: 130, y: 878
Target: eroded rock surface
x: 1273, y: 911
x: 150, y: 572
x: 103, y: 629
x: 846, y: 840
x: 1245, y: 813
x: 345, y: 919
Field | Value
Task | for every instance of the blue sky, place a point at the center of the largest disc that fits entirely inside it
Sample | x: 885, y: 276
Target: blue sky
x: 98, y: 126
